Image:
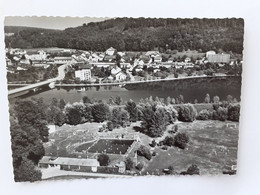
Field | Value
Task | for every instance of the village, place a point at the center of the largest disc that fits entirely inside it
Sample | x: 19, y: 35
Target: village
x: 115, y: 66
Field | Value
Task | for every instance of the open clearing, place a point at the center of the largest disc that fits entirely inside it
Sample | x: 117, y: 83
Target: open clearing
x: 213, y: 147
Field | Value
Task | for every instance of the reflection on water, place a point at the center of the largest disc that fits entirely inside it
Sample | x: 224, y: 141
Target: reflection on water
x: 102, y: 93
x: 189, y: 91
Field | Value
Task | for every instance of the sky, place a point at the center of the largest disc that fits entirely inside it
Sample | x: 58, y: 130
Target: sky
x: 50, y: 22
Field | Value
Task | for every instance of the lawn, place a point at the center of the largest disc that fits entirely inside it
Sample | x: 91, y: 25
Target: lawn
x: 213, y: 147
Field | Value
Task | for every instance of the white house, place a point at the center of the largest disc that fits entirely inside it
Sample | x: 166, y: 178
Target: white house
x: 120, y: 76
x: 187, y: 60
x: 8, y: 62
x: 158, y: 58
x: 62, y: 60
x: 83, y: 75
x: 208, y: 53
x: 111, y: 51
x: 152, y: 53
x: 41, y: 55
x: 115, y: 70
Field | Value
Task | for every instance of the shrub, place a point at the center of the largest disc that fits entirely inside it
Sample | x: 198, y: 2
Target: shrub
x: 169, y: 141
x: 187, y: 113
x: 181, y: 140
x: 222, y: 114
x: 164, y: 148
x: 204, y: 115
x: 169, y: 171
x: 110, y: 126
x: 215, y: 106
x: 234, y: 112
x: 153, y: 144
x: 103, y: 159
x: 145, y: 152
x: 193, y: 170
x: 129, y: 163
x: 139, y: 166
x: 154, y: 153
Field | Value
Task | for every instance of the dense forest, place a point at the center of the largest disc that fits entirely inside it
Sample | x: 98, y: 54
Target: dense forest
x: 139, y: 34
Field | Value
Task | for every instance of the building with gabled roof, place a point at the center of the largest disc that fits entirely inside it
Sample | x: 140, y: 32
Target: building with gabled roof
x: 66, y: 163
x: 110, y: 51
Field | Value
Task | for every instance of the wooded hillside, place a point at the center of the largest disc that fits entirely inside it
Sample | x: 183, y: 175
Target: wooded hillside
x: 139, y: 34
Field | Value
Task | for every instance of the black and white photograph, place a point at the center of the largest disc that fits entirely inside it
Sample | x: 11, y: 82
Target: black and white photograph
x: 123, y: 97
x: 129, y: 97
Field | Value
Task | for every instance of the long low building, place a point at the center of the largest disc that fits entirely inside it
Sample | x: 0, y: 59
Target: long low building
x: 66, y: 163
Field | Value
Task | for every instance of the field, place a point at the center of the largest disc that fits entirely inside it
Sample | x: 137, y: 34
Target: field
x: 111, y: 146
x: 213, y: 148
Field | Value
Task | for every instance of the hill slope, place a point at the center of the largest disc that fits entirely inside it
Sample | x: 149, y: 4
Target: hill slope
x: 140, y: 34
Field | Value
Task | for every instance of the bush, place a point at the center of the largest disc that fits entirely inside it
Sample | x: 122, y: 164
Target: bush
x: 222, y: 114
x: 103, y: 159
x: 181, y: 140
x: 110, y: 126
x: 187, y: 113
x: 164, y: 148
x: 193, y: 170
x: 129, y: 163
x: 153, y: 144
x: 145, y: 152
x: 234, y: 112
x: 139, y: 166
x: 204, y: 115
x: 169, y: 141
x: 169, y: 171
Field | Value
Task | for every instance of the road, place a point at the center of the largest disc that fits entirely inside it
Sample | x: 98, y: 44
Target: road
x: 61, y: 75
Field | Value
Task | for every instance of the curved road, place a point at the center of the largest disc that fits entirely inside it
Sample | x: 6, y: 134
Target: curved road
x: 61, y: 75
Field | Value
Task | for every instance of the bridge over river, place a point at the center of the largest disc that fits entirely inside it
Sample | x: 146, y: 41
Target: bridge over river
x: 26, y: 88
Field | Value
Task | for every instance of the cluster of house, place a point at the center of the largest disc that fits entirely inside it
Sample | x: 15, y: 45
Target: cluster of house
x: 110, y: 58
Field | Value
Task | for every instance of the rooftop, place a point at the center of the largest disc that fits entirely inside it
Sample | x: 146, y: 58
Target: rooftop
x: 69, y: 161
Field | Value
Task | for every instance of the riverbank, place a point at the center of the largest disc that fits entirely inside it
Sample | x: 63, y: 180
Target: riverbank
x: 140, y: 82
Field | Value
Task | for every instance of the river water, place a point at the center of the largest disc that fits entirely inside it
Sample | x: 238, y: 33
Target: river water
x: 190, y: 90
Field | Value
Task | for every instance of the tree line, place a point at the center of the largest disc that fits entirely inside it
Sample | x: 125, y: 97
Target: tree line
x: 155, y: 113
x: 28, y: 126
x: 139, y: 34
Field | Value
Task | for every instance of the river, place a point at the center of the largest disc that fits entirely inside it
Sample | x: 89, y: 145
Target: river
x: 190, y: 89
